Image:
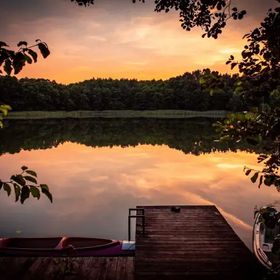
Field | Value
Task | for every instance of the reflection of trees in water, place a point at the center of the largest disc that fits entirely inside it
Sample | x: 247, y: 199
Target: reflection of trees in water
x: 194, y: 136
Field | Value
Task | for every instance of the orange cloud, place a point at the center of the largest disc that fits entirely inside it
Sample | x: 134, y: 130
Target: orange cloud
x: 120, y: 40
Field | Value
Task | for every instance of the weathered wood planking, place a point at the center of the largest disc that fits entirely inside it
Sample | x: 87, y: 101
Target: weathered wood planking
x: 196, y: 243
x: 97, y: 268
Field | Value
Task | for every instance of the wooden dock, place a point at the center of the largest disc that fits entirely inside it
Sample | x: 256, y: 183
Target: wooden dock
x: 83, y: 268
x: 193, y: 244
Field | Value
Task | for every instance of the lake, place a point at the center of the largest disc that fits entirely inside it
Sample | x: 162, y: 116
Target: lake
x: 96, y: 169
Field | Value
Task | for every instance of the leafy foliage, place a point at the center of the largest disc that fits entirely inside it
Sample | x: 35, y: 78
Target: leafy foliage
x: 261, y: 64
x: 83, y: 2
x: 24, y: 185
x: 210, y: 15
x: 13, y: 61
x: 4, y: 109
x: 258, y: 129
x: 261, y: 54
x: 199, y: 90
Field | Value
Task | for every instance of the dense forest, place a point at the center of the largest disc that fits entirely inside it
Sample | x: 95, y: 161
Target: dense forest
x: 199, y: 90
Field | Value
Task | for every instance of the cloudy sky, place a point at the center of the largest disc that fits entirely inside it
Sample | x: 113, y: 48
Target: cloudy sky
x: 118, y: 39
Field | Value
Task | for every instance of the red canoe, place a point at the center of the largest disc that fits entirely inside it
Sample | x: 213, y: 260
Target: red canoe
x: 65, y: 246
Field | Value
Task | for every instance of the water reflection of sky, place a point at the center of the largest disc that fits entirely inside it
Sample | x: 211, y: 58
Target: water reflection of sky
x: 94, y: 187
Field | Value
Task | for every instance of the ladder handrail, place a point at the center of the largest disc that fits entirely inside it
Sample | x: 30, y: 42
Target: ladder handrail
x: 130, y: 216
x: 136, y: 209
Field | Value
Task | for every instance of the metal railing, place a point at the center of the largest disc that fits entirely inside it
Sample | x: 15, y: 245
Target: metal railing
x: 139, y: 213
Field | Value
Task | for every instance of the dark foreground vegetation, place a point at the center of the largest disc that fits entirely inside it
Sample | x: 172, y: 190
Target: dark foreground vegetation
x: 199, y: 90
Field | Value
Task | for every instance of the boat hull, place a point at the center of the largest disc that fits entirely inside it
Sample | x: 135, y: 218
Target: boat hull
x: 257, y: 243
x: 65, y: 246
x: 266, y: 230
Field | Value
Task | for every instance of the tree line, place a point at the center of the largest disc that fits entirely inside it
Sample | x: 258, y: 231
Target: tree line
x: 199, y: 90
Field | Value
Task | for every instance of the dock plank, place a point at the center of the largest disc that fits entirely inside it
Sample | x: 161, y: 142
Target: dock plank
x: 196, y: 243
x: 97, y: 268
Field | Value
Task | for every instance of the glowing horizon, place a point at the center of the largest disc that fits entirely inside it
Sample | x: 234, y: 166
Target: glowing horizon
x: 119, y: 40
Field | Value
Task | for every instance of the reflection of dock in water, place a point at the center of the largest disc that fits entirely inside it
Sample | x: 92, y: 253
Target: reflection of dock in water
x: 186, y: 242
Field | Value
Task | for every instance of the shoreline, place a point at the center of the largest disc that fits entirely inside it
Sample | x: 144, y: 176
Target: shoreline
x: 161, y: 114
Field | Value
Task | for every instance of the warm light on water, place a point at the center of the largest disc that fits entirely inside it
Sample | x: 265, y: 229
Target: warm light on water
x: 94, y: 187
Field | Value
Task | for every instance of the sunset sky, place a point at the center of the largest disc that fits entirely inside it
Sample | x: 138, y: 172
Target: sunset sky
x: 119, y: 39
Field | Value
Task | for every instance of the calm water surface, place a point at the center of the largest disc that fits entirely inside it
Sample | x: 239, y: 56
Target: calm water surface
x: 97, y: 169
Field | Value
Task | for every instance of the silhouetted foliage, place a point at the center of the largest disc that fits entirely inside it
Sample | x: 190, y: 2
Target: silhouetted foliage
x: 83, y: 2
x: 261, y: 65
x: 261, y: 54
x: 261, y: 130
x: 12, y: 62
x: 25, y: 184
x: 210, y: 15
x: 199, y: 90
x: 4, y: 109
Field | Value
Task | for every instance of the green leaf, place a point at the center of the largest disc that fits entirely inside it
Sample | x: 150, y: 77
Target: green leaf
x: 268, y: 181
x: 28, y: 59
x: 3, y: 44
x: 248, y: 171
x: 6, y: 107
x: 7, y: 188
x: 233, y: 65
x: 17, y: 191
x: 44, y: 50
x: 252, y: 141
x: 4, y: 110
x: 25, y: 192
x: 30, y: 179
x: 44, y: 186
x: 8, y: 66
x: 19, y: 179
x: 31, y: 172
x: 260, y: 182
x: 45, y: 191
x: 35, y: 191
x: 33, y: 54
x: 22, y: 43
x: 19, y: 62
x: 255, y: 177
